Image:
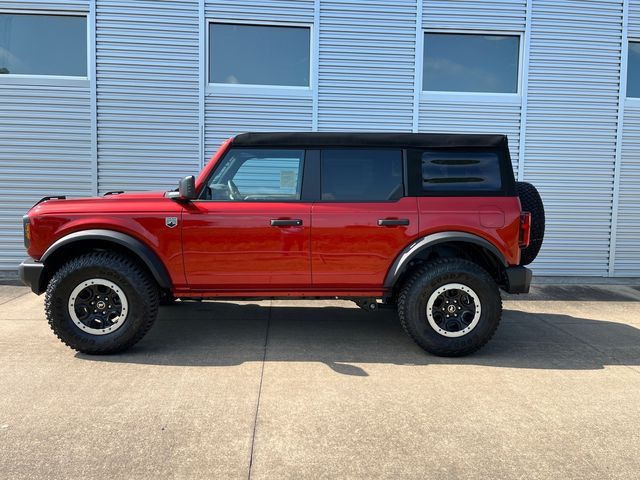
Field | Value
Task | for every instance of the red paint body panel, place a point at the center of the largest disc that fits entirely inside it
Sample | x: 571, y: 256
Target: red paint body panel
x: 231, y: 245
x: 471, y: 215
x: 349, y: 248
x: 140, y: 215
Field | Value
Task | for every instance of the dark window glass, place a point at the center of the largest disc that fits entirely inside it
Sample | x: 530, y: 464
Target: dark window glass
x: 633, y: 70
x: 259, y: 54
x: 470, y: 63
x: 43, y: 44
x: 358, y: 175
x: 460, y: 171
x: 258, y: 175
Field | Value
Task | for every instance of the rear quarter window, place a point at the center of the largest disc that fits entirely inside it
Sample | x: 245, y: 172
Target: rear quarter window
x: 460, y: 171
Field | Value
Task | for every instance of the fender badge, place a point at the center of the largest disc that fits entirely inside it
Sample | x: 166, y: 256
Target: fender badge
x: 171, y: 221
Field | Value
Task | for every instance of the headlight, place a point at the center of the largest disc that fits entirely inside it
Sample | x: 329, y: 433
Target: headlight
x: 26, y: 228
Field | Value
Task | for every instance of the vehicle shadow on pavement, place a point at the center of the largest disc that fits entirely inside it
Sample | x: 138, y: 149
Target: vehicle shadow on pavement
x: 346, y: 339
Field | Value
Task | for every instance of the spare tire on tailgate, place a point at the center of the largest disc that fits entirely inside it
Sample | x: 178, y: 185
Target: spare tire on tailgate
x: 531, y: 202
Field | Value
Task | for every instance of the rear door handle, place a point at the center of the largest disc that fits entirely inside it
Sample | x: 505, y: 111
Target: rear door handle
x: 392, y: 222
x: 278, y: 222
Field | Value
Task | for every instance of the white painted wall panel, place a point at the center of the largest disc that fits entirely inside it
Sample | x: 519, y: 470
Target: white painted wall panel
x: 61, y: 5
x: 366, y: 65
x: 467, y: 117
x: 571, y: 129
x: 45, y: 149
x: 634, y: 19
x: 475, y: 14
x: 147, y: 93
x: 259, y: 10
x: 228, y: 115
x: 627, y: 259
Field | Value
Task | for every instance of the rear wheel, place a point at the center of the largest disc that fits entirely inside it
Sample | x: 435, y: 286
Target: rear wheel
x: 101, y: 303
x: 450, y: 307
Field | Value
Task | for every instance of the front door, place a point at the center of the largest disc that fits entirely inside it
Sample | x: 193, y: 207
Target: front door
x: 250, y: 229
x: 363, y: 220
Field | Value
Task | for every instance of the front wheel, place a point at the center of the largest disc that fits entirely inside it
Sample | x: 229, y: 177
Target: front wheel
x: 101, y: 303
x: 450, y: 307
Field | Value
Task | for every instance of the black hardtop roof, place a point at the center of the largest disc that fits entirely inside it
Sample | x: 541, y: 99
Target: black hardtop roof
x: 402, y: 140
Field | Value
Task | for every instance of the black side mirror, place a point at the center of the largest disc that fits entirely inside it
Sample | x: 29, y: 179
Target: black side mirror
x: 187, y: 188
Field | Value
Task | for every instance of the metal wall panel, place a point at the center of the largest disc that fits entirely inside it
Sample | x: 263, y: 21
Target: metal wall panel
x: 473, y: 14
x: 227, y: 114
x: 467, y: 117
x: 61, y: 6
x: 366, y: 65
x: 627, y: 259
x: 634, y: 19
x: 571, y: 129
x: 45, y: 149
x: 259, y: 10
x: 147, y: 93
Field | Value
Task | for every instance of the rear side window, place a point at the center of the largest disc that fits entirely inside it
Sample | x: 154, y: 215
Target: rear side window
x: 361, y: 175
x: 454, y: 171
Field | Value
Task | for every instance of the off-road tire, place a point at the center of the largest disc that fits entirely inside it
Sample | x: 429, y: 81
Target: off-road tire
x: 427, y: 279
x: 531, y: 201
x: 140, y: 289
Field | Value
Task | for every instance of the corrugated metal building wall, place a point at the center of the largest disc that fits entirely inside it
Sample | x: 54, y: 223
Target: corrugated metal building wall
x: 146, y: 115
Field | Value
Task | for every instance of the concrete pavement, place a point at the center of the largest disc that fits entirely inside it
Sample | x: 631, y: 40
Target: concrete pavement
x: 294, y: 389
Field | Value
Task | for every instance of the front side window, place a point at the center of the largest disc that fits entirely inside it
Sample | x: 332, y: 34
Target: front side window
x: 453, y: 171
x: 43, y: 44
x: 361, y: 175
x: 633, y: 70
x: 455, y: 62
x: 259, y: 55
x: 257, y: 175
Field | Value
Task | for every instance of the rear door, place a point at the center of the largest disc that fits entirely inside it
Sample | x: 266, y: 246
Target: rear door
x: 362, y: 220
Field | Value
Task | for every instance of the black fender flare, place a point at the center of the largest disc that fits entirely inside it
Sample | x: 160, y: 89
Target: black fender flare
x: 142, y: 251
x: 403, y: 259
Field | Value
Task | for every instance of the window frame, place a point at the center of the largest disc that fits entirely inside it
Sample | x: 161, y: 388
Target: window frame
x: 403, y: 174
x: 259, y: 89
x: 462, y: 96
x: 307, y: 188
x: 631, y: 101
x: 52, y: 79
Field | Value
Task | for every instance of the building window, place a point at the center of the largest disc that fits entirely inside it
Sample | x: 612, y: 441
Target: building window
x: 259, y: 55
x: 633, y: 70
x: 38, y: 44
x: 454, y: 62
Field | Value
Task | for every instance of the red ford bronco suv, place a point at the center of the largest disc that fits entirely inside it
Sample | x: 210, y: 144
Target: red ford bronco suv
x: 432, y: 225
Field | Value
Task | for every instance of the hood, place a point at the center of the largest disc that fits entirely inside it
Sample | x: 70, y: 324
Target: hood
x: 108, y: 203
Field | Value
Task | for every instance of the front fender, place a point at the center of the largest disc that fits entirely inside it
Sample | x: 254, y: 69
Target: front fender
x: 142, y: 251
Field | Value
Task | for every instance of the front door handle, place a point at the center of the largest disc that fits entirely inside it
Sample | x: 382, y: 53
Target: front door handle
x: 278, y: 222
x: 392, y: 222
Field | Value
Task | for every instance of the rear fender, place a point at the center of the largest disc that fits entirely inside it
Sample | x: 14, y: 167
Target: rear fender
x: 403, y: 260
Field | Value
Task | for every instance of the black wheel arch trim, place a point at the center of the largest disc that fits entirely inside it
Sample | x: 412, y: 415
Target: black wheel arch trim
x: 403, y: 259
x: 142, y: 251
